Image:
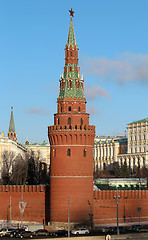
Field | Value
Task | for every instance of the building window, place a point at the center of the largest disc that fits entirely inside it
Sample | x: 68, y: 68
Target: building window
x: 79, y: 109
x: 68, y: 152
x: 70, y: 84
x: 144, y: 136
x: 58, y: 121
x: 69, y: 109
x: 81, y: 121
x: 54, y: 153
x: 71, y: 53
x: 70, y: 69
x: 84, y: 152
x: 61, y: 109
x: 69, y: 121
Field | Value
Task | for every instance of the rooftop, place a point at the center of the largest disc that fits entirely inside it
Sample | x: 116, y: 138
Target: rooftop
x: 140, y: 121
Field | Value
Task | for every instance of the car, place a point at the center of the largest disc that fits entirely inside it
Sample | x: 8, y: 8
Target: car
x: 58, y: 233
x: 41, y: 232
x: 121, y: 230
x: 108, y: 230
x: 13, y: 232
x: 141, y: 228
x: 3, y: 231
x: 132, y: 227
x: 80, y: 231
x: 24, y: 234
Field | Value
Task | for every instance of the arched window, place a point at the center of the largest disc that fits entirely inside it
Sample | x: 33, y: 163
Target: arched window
x: 69, y: 109
x: 58, y: 121
x: 84, y: 152
x: 81, y: 121
x: 69, y: 121
x: 79, y: 109
x: 70, y: 84
x: 68, y: 152
x: 70, y: 69
x: 54, y: 153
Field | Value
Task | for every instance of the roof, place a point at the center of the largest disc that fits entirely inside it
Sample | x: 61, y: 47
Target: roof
x: 140, y: 121
x: 107, y: 141
x: 11, y: 125
x: 71, y: 40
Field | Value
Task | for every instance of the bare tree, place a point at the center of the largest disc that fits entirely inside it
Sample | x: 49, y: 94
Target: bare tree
x: 20, y: 170
x: 15, y: 168
x: 8, y: 158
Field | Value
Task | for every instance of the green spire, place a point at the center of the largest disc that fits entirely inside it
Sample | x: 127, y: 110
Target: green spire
x: 71, y: 35
x: 11, y: 125
x: 71, y: 85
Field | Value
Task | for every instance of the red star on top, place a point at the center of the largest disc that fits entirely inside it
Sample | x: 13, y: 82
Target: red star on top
x: 71, y: 12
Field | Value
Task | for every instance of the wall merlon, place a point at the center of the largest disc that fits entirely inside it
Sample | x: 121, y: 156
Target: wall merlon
x: 124, y: 195
x: 22, y: 188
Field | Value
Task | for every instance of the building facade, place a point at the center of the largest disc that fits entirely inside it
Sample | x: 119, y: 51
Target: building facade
x: 71, y: 140
x: 137, y: 150
x: 11, y: 149
x: 106, y: 151
x: 40, y: 151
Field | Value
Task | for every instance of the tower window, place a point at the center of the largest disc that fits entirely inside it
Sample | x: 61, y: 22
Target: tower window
x: 54, y: 153
x: 69, y: 109
x: 69, y: 121
x: 70, y: 53
x: 70, y: 84
x: 84, y: 152
x: 81, y: 121
x: 70, y: 69
x: 58, y: 120
x: 61, y: 109
x: 79, y: 109
x: 68, y: 152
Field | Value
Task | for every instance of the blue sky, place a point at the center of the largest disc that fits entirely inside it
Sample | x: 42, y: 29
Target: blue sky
x: 112, y: 37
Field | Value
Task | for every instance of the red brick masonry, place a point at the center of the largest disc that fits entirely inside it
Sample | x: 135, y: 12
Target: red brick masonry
x: 36, y: 198
x: 105, y: 209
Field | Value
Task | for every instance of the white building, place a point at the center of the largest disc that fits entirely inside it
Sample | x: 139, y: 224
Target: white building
x: 40, y: 151
x: 12, y: 149
x: 137, y: 151
x: 106, y: 150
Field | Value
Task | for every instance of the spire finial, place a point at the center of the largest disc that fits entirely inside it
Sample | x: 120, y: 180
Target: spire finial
x: 71, y: 13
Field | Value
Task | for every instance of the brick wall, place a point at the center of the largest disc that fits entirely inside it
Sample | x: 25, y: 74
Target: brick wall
x: 105, y: 209
x: 36, y: 198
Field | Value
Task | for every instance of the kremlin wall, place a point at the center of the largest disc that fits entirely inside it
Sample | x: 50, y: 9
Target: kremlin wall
x: 37, y: 207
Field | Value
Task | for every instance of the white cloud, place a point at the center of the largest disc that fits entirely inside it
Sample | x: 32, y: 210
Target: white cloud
x: 93, y: 91
x: 127, y: 67
x: 38, y: 111
x: 91, y: 109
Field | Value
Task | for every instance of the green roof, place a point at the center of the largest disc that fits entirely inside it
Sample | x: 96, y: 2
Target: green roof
x: 11, y: 125
x: 70, y: 75
x: 140, y: 121
x: 71, y: 35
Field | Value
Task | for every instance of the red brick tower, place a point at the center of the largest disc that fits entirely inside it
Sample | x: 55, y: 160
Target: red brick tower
x: 71, y: 139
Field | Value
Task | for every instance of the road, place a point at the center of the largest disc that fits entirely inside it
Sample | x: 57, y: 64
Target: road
x: 132, y: 236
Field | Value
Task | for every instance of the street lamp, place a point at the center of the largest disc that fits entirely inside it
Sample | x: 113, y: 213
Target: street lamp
x: 117, y: 202
x: 91, y: 214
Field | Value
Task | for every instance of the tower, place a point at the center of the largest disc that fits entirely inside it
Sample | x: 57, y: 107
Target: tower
x: 71, y: 139
x: 11, y: 133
